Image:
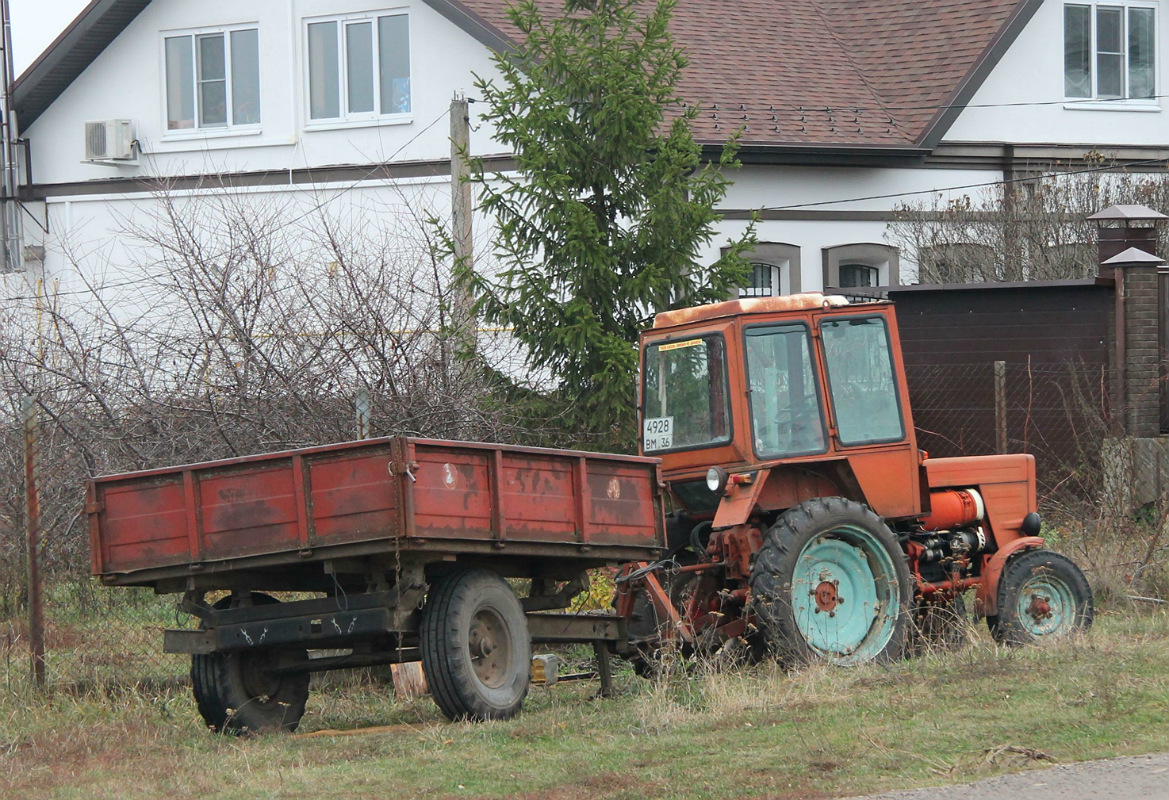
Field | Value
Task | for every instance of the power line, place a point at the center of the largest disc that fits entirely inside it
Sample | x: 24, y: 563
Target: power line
x: 791, y: 207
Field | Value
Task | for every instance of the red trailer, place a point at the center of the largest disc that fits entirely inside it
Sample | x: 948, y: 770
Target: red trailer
x: 404, y: 545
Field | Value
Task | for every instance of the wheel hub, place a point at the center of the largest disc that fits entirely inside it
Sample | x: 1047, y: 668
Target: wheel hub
x: 826, y: 597
x: 490, y: 647
x: 847, y: 563
x: 1040, y: 607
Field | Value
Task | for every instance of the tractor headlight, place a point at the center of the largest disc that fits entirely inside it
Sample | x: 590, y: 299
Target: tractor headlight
x: 716, y: 479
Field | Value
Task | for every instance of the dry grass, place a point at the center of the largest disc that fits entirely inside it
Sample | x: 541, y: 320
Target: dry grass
x: 696, y: 732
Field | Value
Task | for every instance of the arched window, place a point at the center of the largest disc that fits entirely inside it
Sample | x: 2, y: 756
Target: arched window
x: 776, y: 270
x: 861, y: 264
x: 767, y: 280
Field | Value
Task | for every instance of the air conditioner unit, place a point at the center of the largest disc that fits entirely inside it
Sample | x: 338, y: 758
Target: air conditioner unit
x: 109, y: 140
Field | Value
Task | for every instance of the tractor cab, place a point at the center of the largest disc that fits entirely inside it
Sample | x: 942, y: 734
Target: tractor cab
x: 808, y: 385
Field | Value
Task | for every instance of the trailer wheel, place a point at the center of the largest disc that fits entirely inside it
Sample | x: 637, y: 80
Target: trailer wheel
x: 830, y: 583
x: 1042, y: 595
x: 476, y: 650
x: 237, y: 692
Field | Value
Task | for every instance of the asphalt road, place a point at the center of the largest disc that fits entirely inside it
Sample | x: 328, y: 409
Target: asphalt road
x: 1128, y: 778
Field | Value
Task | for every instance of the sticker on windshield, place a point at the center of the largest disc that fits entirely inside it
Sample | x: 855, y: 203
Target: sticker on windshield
x: 658, y: 433
x: 678, y: 346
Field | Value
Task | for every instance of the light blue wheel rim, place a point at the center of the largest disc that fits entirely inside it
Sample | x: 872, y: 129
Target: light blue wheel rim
x: 1045, y: 606
x: 851, y: 569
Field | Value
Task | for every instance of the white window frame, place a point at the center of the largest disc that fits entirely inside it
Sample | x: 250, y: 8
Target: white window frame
x: 347, y: 118
x: 1125, y: 103
x: 209, y: 131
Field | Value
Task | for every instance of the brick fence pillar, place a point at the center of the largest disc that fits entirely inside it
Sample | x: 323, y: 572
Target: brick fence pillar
x: 1138, y: 331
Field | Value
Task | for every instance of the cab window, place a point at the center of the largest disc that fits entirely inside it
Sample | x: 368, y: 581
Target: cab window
x: 862, y: 381
x: 784, y: 395
x: 684, y: 394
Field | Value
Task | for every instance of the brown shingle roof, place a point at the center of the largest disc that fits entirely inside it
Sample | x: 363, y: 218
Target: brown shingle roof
x: 875, y: 73
x: 796, y: 73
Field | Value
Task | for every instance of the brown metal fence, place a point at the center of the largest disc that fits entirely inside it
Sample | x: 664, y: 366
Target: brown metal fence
x: 98, y: 637
x: 1057, y: 412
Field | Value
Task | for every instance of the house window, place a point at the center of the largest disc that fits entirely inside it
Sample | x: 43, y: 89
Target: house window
x: 859, y: 275
x: 359, y: 68
x: 767, y: 280
x: 861, y: 264
x: 775, y: 270
x: 212, y: 79
x: 1109, y: 51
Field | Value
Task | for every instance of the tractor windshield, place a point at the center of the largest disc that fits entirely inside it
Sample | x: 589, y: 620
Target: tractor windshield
x: 684, y: 394
x: 785, y: 399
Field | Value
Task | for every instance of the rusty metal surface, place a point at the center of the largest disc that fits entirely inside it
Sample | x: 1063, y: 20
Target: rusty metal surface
x: 805, y: 301
x: 382, y: 495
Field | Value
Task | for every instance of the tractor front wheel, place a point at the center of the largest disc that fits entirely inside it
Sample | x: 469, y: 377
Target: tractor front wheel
x: 1042, y: 596
x: 831, y: 584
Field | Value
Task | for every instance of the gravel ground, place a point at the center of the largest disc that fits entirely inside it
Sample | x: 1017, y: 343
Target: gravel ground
x: 1128, y: 778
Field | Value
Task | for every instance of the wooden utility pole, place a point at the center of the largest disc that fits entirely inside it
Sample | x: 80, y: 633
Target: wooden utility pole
x: 36, y: 616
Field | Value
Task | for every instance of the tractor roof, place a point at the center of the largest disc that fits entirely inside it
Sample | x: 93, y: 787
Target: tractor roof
x: 804, y: 301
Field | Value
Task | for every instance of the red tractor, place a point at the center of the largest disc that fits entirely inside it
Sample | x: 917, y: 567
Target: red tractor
x: 807, y: 521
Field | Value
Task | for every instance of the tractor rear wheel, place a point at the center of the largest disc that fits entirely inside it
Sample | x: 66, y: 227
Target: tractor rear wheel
x: 1042, y: 596
x: 831, y: 584
x: 476, y: 650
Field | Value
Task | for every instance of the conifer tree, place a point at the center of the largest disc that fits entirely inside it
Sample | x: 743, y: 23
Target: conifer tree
x: 602, y: 222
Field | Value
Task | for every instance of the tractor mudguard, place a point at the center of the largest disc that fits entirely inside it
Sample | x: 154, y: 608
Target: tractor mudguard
x: 986, y: 597
x: 739, y: 500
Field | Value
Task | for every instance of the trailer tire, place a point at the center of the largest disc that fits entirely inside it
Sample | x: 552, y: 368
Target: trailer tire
x: 476, y: 650
x: 1042, y: 596
x: 831, y: 584
x: 236, y: 692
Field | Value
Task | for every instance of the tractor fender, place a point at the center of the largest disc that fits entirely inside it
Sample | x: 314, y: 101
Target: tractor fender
x: 986, y: 597
x: 739, y: 501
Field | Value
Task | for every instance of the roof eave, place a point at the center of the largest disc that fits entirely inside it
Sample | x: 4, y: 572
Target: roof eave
x: 955, y: 104
x: 474, y: 25
x: 98, y: 24
x: 820, y: 154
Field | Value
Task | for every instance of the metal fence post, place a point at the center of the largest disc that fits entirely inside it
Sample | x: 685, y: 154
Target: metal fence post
x: 36, y: 617
x: 1000, y: 406
x: 362, y: 407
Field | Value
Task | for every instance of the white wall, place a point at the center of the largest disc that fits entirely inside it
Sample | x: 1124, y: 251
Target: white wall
x: 126, y: 81
x: 828, y: 190
x: 1031, y: 72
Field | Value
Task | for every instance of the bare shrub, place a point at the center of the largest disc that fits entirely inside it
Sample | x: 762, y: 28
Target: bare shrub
x: 1032, y: 229
x: 242, y: 323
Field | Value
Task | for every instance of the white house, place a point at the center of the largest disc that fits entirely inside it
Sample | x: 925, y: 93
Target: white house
x: 848, y: 107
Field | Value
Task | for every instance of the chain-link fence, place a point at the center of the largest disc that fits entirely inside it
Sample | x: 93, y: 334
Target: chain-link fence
x: 107, y: 637
x: 1057, y: 412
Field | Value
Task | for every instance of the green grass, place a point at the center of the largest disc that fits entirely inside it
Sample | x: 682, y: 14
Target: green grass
x: 752, y: 732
